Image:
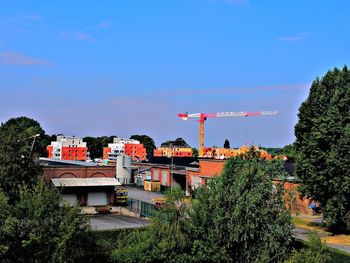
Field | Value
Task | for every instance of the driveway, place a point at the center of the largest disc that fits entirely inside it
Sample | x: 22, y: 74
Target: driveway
x: 142, y: 195
x: 302, y: 234
x: 110, y: 222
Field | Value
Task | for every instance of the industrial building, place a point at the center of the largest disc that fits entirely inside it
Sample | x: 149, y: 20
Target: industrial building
x: 81, y: 183
x: 68, y: 148
x: 120, y: 146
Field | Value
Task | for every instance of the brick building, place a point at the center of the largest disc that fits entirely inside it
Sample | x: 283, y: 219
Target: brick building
x: 81, y: 183
x: 68, y: 148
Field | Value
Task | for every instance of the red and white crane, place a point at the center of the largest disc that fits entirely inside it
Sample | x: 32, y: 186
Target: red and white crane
x: 202, y: 117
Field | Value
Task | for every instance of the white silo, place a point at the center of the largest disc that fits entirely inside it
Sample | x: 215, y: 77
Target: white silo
x: 123, y: 171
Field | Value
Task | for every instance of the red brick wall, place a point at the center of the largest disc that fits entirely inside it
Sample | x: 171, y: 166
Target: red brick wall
x: 160, y: 174
x: 298, y: 204
x: 211, y: 167
x: 78, y: 172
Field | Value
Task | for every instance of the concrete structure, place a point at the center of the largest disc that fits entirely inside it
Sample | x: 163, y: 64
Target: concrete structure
x: 123, y: 169
x: 121, y: 146
x: 68, y: 148
x: 175, y: 152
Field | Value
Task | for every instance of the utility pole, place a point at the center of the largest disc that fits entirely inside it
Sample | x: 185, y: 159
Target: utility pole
x: 31, y: 149
x: 171, y: 168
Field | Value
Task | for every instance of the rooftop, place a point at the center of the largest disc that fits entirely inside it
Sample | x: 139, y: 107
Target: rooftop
x: 85, y: 182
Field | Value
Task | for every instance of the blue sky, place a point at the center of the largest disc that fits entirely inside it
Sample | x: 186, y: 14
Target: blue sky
x: 128, y: 67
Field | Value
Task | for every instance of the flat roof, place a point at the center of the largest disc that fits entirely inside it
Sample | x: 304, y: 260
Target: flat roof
x: 85, y: 182
x: 62, y: 162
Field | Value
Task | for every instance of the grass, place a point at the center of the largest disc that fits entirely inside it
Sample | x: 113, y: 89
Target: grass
x: 307, y: 223
x: 337, y: 256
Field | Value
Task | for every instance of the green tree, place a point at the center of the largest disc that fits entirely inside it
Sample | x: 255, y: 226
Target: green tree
x: 96, y: 145
x: 39, y: 228
x: 179, y: 142
x: 164, y: 241
x: 20, y: 131
x: 316, y: 252
x: 227, y: 144
x: 195, y: 152
x: 241, y: 216
x: 323, y: 146
x: 17, y: 168
x: 147, y: 142
x: 290, y: 151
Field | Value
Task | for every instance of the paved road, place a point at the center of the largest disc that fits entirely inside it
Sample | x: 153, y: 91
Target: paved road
x: 142, y: 195
x: 109, y: 222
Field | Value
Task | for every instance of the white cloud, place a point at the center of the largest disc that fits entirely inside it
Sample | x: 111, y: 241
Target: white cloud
x: 18, y: 59
x: 32, y: 17
x: 293, y: 38
x: 103, y: 25
x: 78, y: 36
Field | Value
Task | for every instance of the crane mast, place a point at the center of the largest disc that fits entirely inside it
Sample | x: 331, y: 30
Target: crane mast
x: 202, y: 117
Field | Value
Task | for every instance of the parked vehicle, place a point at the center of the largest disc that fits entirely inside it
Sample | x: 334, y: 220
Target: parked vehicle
x: 121, y: 196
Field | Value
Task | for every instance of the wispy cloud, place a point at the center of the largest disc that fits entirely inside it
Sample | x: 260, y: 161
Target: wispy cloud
x: 238, y: 2
x: 12, y: 58
x: 31, y: 17
x: 293, y: 38
x: 78, y: 36
x: 103, y: 25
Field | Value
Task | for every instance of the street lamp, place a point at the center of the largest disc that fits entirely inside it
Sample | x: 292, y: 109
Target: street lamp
x: 34, y: 138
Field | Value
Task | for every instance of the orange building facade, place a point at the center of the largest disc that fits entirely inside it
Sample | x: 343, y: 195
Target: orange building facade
x: 136, y: 151
x: 68, y: 148
x: 175, y: 152
x: 130, y: 147
x: 70, y: 153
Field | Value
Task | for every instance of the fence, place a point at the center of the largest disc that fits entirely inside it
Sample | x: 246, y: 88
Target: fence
x: 140, y: 207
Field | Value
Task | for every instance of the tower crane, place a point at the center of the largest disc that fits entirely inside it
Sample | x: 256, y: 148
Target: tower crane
x: 202, y: 117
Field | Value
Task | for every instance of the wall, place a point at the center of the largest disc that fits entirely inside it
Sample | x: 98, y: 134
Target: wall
x: 78, y: 172
x: 211, y: 167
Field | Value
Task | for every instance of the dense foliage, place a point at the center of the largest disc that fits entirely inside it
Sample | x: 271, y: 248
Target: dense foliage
x: 316, y: 252
x: 241, y: 217
x: 35, y: 226
x: 227, y: 144
x: 147, y: 142
x: 323, y: 146
x: 96, y: 144
x: 164, y: 241
x: 179, y: 142
x: 38, y: 228
x: 290, y: 151
x: 17, y: 168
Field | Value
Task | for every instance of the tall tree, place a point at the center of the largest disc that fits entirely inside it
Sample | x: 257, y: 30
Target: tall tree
x: 323, y: 146
x: 39, y: 228
x: 227, y: 144
x: 17, y: 168
x: 179, y: 142
x: 20, y: 131
x: 164, y: 241
x: 147, y: 142
x: 96, y: 144
x: 241, y: 216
